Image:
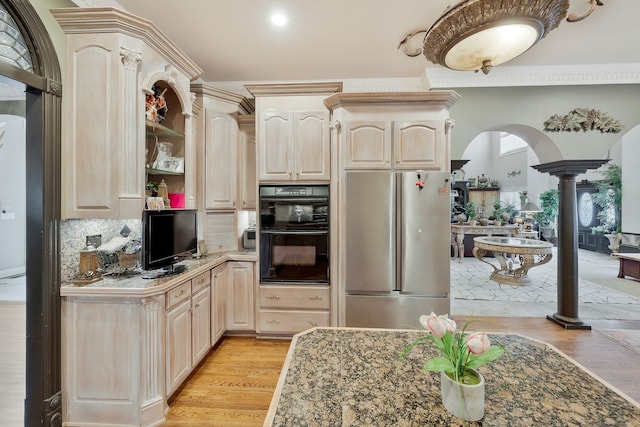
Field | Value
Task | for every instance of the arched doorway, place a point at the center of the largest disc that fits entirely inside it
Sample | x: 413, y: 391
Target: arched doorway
x: 41, y: 76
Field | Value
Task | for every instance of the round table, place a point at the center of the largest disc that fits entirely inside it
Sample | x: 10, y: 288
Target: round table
x: 516, y: 256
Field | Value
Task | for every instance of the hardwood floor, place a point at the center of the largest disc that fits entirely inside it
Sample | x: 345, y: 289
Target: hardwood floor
x: 233, y: 386
x: 12, y: 363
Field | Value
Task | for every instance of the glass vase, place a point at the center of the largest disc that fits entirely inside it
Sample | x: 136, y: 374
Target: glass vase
x: 462, y: 400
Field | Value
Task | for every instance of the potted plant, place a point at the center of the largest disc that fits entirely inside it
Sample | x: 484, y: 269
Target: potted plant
x: 550, y: 206
x: 472, y: 212
x: 461, y: 385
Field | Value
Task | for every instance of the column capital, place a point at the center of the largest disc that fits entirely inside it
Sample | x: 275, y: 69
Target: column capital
x: 569, y: 167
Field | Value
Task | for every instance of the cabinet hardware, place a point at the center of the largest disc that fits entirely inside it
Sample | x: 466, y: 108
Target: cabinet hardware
x: 274, y: 297
x: 313, y: 324
x: 315, y: 298
x: 273, y: 322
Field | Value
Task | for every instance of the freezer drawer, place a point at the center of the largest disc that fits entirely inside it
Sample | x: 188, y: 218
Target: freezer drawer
x: 393, y: 312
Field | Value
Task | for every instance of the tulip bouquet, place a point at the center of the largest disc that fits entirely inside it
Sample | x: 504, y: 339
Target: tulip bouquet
x: 461, y: 352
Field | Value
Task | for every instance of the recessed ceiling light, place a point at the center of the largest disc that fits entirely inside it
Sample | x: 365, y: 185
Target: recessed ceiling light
x: 278, y: 19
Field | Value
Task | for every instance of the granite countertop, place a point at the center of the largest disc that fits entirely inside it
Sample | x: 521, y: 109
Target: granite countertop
x: 353, y: 377
x: 135, y: 285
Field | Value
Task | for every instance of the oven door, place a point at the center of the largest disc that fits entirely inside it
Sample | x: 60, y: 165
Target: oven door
x: 294, y: 256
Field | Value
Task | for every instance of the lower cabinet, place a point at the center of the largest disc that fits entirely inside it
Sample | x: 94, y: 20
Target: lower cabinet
x: 239, y: 306
x: 292, y: 308
x: 188, y: 329
x: 218, y: 319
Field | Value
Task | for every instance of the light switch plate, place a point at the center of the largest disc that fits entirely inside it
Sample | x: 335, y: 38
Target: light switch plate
x: 7, y: 215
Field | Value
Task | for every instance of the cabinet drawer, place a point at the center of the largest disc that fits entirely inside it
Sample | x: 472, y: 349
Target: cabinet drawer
x: 291, y: 321
x: 178, y: 294
x: 201, y: 281
x: 312, y: 298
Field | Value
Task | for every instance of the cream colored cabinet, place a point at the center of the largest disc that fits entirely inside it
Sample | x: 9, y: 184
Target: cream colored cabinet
x: 221, y: 136
x: 239, y: 296
x: 220, y: 234
x: 290, y: 309
x: 109, y: 68
x: 188, y: 328
x: 248, y: 182
x: 484, y: 198
x: 367, y: 144
x: 179, y: 348
x: 218, y: 318
x: 293, y: 146
x: 411, y: 144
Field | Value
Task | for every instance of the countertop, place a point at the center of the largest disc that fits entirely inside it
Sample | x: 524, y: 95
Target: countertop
x: 136, y: 286
x: 353, y: 377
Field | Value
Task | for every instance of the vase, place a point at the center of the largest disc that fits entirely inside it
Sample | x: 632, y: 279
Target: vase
x: 462, y: 400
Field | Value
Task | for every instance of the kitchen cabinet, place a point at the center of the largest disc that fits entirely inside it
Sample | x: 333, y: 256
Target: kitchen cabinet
x: 413, y: 144
x: 395, y: 130
x: 218, y: 312
x: 109, y: 68
x: 484, y: 198
x: 294, y: 146
x: 248, y: 178
x: 293, y: 131
x: 221, y: 147
x: 188, y: 328
x: 220, y: 232
x: 239, y: 296
x: 289, y: 309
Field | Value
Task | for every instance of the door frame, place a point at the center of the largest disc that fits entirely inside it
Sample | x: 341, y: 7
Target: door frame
x: 43, y: 401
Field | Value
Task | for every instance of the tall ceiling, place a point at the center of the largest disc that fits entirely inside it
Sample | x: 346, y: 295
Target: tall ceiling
x: 234, y: 40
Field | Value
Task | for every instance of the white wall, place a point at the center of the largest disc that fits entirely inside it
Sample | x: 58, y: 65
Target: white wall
x: 630, y: 179
x: 13, y: 195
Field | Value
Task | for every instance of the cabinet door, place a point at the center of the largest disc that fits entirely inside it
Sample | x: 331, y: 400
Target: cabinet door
x: 201, y: 327
x: 221, y: 136
x: 239, y: 309
x: 220, y: 232
x: 275, y: 146
x: 248, y: 182
x: 218, y: 284
x: 419, y: 145
x: 367, y: 145
x: 312, y: 146
x: 178, y: 345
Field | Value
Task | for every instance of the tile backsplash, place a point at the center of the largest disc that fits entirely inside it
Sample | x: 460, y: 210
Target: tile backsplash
x: 73, y: 235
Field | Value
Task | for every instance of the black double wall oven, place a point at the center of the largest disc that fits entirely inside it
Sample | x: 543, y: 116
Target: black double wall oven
x: 294, y: 234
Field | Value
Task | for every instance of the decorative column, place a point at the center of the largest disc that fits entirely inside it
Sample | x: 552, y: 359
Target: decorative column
x: 566, y: 171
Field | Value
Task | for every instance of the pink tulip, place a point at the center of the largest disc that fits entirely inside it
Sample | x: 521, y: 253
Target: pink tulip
x: 438, y: 325
x: 478, y: 343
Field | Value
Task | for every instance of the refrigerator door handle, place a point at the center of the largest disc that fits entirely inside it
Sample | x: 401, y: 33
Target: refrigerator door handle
x: 399, y: 227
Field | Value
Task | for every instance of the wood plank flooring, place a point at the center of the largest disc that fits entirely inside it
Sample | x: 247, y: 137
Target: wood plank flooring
x: 12, y: 363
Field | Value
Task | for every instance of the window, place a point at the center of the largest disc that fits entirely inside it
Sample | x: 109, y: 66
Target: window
x: 510, y: 143
x: 13, y: 48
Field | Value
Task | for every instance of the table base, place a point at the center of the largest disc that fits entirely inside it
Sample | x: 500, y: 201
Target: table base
x: 511, y: 271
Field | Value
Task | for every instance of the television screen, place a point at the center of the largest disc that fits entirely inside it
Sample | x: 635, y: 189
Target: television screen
x: 167, y: 235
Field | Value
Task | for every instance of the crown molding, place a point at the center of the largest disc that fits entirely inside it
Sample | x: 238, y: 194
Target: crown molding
x: 504, y: 76
x: 280, y: 89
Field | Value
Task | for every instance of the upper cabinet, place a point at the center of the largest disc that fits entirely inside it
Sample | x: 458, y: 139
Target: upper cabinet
x: 217, y: 136
x: 248, y: 181
x: 393, y: 130
x: 293, y: 131
x: 114, y: 60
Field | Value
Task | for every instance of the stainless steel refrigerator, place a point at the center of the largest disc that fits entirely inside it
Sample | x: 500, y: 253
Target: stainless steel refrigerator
x: 398, y: 247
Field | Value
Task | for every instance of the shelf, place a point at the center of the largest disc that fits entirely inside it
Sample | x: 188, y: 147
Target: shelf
x: 151, y: 171
x: 156, y: 129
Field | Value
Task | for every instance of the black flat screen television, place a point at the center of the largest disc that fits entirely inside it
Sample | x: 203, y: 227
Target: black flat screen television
x: 167, y: 237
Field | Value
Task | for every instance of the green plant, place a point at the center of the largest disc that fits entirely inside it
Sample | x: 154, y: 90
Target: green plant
x: 609, y: 199
x: 471, y: 210
x: 550, y: 205
x: 460, y: 351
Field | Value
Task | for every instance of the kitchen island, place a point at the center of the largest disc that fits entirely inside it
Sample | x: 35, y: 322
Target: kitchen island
x: 354, y: 377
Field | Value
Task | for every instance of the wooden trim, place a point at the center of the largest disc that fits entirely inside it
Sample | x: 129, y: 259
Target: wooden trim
x: 280, y: 89
x: 443, y: 98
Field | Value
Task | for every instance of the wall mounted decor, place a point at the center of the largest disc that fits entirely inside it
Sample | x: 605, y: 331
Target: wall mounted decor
x: 583, y: 119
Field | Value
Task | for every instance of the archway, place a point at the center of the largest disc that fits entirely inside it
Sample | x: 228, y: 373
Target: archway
x: 43, y: 106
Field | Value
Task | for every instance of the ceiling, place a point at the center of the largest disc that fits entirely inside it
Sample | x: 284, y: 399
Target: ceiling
x: 234, y: 41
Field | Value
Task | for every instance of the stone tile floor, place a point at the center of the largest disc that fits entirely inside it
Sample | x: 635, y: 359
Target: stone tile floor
x: 601, y: 294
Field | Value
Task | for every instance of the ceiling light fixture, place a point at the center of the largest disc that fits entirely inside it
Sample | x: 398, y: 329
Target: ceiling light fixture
x: 278, y: 19
x: 480, y: 34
